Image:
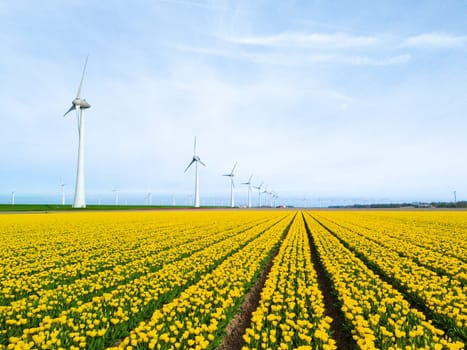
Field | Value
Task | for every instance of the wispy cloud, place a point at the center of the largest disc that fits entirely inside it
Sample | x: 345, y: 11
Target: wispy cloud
x: 305, y: 40
x: 293, y: 59
x: 188, y: 2
x: 362, y: 60
x: 436, y: 41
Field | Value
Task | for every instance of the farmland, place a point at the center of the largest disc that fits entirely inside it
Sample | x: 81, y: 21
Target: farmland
x: 234, y: 279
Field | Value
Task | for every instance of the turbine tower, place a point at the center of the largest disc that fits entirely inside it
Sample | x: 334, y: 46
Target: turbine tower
x: 13, y: 197
x: 232, y: 185
x: 249, y: 190
x: 259, y: 193
x: 80, y: 105
x: 195, y: 160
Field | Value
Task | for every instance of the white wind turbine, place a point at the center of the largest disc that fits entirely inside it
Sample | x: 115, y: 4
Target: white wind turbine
x: 276, y: 196
x: 115, y: 190
x: 195, y: 160
x: 272, y: 195
x: 232, y: 185
x: 80, y: 105
x: 249, y: 190
x: 259, y: 193
x: 13, y: 197
x: 62, y: 185
x: 266, y: 192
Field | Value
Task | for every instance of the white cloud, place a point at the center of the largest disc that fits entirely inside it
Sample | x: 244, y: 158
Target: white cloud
x: 304, y: 40
x: 436, y: 41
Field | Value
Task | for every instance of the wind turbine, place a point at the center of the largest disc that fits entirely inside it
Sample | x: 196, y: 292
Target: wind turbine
x: 266, y: 192
x: 149, y: 198
x: 13, y: 197
x: 273, y: 200
x: 249, y: 190
x: 232, y: 185
x: 259, y: 193
x: 115, y: 190
x: 62, y: 185
x: 80, y: 105
x: 195, y: 160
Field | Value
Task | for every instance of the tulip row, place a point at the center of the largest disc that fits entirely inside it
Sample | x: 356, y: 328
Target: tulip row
x: 379, y: 315
x: 291, y: 310
x: 444, y: 297
x: 197, y: 318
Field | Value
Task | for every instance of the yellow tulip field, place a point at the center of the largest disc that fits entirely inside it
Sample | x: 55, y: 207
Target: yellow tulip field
x: 234, y: 279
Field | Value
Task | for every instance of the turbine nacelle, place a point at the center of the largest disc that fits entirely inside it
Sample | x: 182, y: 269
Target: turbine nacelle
x: 77, y: 102
x: 82, y: 103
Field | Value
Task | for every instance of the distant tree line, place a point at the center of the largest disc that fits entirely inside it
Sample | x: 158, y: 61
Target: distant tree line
x: 460, y: 204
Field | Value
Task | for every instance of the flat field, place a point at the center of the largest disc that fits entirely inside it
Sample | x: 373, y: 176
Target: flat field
x: 234, y: 279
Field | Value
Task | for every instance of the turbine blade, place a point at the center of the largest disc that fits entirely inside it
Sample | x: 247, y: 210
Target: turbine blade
x: 202, y: 163
x: 82, y: 77
x: 189, y: 165
x: 249, y: 180
x: 194, y: 148
x: 233, y: 168
x: 71, y: 108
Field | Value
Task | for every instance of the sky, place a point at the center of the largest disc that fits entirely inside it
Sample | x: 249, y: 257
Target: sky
x: 324, y: 100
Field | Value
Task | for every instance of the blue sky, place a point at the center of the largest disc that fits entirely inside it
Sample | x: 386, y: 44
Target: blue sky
x: 323, y: 99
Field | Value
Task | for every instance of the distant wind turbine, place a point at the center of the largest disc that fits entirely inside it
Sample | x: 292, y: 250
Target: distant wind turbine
x: 195, y: 160
x: 62, y: 185
x: 271, y: 197
x: 266, y: 192
x: 249, y: 190
x: 13, y: 197
x: 259, y: 193
x: 149, y: 198
x: 276, y: 196
x: 115, y: 190
x: 80, y: 105
x: 232, y: 185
